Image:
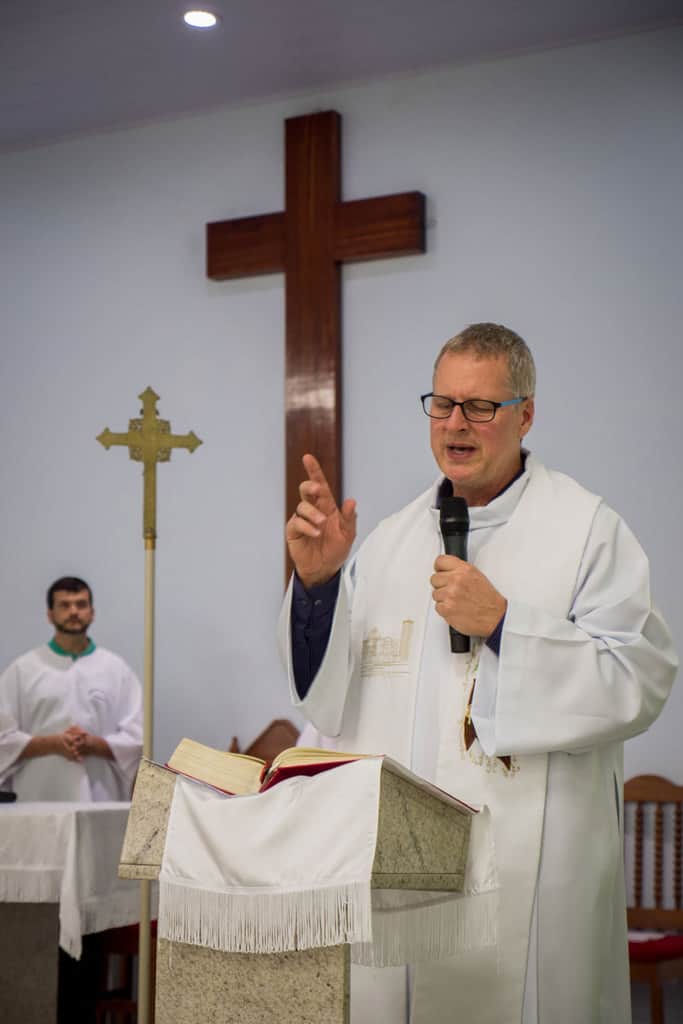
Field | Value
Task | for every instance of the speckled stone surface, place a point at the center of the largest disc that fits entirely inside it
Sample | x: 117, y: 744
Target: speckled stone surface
x: 201, y: 986
x: 29, y: 942
x: 145, y: 838
x: 421, y: 841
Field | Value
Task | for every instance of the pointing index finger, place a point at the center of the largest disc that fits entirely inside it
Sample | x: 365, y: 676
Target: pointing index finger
x: 314, y: 470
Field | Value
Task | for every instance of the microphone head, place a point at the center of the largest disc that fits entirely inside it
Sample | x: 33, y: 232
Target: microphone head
x: 454, y: 516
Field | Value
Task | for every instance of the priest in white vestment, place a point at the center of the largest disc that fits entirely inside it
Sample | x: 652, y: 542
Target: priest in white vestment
x: 569, y: 658
x: 70, y: 711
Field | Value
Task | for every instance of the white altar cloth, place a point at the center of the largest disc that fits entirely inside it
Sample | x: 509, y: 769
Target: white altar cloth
x: 68, y: 853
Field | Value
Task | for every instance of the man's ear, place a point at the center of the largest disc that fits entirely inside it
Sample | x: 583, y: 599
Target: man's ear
x: 50, y: 617
x: 527, y: 418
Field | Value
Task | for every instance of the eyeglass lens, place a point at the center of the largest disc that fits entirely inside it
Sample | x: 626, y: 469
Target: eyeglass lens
x: 476, y: 409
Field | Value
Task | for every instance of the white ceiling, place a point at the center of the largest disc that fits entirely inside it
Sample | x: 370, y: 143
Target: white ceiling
x: 73, y: 66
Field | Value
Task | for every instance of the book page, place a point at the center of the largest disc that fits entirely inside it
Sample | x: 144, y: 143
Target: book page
x: 232, y: 773
x: 311, y: 760
x: 313, y: 755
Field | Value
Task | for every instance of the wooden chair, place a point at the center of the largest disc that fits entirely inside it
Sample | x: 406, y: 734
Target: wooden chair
x: 280, y: 734
x: 118, y: 949
x: 658, y: 958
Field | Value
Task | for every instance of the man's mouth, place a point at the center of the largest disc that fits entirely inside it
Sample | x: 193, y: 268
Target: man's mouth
x: 460, y: 451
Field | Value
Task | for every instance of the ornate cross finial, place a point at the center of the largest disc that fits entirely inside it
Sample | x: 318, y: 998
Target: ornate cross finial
x: 149, y: 440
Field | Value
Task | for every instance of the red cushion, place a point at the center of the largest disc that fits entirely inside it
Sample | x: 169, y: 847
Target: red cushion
x: 669, y: 947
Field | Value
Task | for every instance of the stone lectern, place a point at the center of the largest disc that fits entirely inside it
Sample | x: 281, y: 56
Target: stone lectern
x: 422, y: 843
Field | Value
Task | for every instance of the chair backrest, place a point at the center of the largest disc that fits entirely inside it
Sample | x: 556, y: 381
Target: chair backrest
x: 280, y: 734
x: 656, y: 800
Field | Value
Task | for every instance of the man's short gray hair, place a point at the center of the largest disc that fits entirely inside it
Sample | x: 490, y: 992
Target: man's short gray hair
x: 488, y: 341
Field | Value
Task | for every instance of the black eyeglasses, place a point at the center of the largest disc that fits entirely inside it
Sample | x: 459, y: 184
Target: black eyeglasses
x: 476, y: 410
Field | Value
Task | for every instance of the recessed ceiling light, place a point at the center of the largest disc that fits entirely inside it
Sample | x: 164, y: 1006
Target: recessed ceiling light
x: 200, y: 19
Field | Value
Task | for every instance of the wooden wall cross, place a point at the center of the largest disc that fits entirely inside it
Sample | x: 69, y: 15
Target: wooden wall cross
x: 315, y: 234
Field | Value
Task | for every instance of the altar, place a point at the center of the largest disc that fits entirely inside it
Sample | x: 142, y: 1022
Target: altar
x: 58, y: 881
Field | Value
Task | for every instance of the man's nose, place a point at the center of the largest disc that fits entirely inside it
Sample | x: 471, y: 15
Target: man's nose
x: 457, y: 418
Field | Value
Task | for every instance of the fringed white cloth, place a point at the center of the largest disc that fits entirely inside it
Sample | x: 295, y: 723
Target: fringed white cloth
x: 416, y: 927
x: 285, y: 869
x: 68, y: 853
x: 290, y: 869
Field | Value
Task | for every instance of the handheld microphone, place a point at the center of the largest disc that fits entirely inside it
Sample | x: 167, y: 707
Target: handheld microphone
x: 454, y: 520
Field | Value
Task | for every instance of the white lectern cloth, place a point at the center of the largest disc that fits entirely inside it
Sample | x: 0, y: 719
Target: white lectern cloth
x: 272, y: 872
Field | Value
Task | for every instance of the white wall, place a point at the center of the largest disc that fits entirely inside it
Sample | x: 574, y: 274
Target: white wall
x: 554, y: 199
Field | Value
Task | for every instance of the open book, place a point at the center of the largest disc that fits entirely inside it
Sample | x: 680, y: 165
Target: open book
x: 241, y: 774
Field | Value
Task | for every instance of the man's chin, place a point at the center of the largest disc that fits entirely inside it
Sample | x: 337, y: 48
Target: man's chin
x: 458, y: 475
x: 73, y: 630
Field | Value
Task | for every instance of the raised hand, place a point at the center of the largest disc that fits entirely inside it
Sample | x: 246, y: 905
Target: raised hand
x: 320, y: 534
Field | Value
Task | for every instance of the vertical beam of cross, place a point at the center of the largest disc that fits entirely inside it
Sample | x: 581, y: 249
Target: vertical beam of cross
x: 312, y: 301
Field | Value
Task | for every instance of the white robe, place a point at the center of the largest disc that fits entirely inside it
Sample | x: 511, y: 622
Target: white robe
x: 577, y: 674
x: 43, y: 692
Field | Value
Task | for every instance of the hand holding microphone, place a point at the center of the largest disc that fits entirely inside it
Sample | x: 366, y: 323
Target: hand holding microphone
x: 462, y: 595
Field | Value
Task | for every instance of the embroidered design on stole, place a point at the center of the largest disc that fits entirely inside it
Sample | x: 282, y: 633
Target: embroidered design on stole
x: 469, y: 744
x: 387, y: 655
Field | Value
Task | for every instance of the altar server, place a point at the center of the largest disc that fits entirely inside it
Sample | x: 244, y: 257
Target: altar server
x: 70, y: 711
x: 568, y: 658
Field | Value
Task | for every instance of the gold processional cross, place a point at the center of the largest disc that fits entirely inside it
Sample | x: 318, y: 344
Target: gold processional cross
x: 149, y: 440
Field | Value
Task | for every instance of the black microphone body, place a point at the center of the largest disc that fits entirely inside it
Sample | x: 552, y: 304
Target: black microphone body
x: 454, y: 520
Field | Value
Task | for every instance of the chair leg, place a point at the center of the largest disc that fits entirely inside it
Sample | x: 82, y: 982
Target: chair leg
x: 656, y: 1002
